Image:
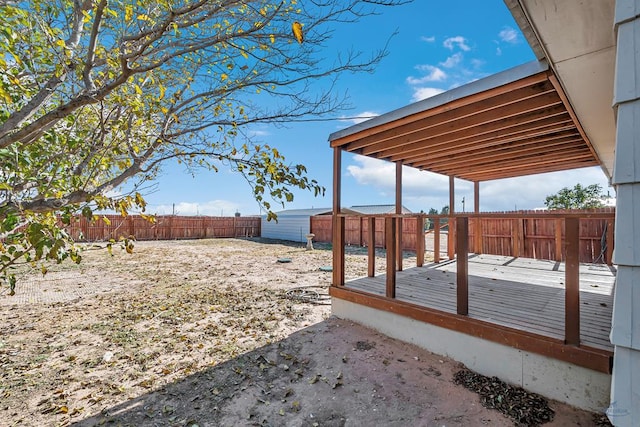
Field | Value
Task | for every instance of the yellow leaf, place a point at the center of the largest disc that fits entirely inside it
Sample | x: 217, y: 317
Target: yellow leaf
x: 162, y: 90
x: 60, y: 43
x: 138, y: 90
x: 128, y: 13
x: 223, y: 77
x: 272, y: 38
x: 106, y: 220
x: 129, y: 248
x: 143, y: 17
x: 5, y: 96
x: 244, y: 54
x: 296, y: 27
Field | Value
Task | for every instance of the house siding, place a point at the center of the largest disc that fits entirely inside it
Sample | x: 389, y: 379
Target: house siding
x: 288, y: 227
x: 625, y: 330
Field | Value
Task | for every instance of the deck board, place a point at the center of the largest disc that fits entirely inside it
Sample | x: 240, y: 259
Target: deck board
x: 519, y: 293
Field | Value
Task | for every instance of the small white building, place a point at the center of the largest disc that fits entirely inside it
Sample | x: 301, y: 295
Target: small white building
x: 292, y: 224
x: 295, y: 224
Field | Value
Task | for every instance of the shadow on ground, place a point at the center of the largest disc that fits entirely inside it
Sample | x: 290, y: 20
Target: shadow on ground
x: 333, y: 373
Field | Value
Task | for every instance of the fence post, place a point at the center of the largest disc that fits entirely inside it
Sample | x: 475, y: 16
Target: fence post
x: 572, y: 281
x: 462, y: 261
x: 132, y: 231
x: 558, y: 239
x: 515, y: 238
x: 478, y: 236
x: 390, y: 238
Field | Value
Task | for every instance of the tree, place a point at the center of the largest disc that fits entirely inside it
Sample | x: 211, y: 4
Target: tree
x: 96, y: 94
x: 578, y: 197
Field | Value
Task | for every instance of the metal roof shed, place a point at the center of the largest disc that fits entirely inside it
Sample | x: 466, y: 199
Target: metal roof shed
x: 292, y: 224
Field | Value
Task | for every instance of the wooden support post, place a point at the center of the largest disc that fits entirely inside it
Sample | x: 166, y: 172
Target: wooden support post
x: 610, y: 243
x: 338, y: 221
x: 558, y: 239
x: 390, y: 237
x: 477, y: 246
x: 462, y: 261
x: 361, y: 231
x: 436, y: 241
x: 572, y: 281
x: 338, y: 250
x: 398, y: 211
x: 371, y: 246
x: 451, y: 249
x: 399, y: 245
x: 420, y: 240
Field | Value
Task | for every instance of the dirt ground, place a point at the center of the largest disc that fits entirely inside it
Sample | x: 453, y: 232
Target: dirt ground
x: 216, y: 333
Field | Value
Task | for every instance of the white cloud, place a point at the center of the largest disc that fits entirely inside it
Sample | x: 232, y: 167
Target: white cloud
x: 428, y: 39
x: 359, y: 118
x: 452, y: 61
x: 458, y: 41
x: 477, y: 63
x: 382, y: 175
x: 508, y: 35
x: 498, y: 51
x: 210, y: 208
x: 425, y: 92
x: 424, y: 190
x: 370, y: 171
x: 258, y: 133
x: 529, y: 192
x: 114, y: 193
x: 434, y: 74
x: 420, y: 190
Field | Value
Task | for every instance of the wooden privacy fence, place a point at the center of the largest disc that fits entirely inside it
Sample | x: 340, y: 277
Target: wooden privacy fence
x: 166, y: 227
x: 357, y: 229
x: 530, y: 234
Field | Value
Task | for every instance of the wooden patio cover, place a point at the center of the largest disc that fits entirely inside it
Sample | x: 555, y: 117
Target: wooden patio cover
x: 518, y: 122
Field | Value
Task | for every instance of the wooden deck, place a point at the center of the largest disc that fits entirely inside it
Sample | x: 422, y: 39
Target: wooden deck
x: 518, y: 293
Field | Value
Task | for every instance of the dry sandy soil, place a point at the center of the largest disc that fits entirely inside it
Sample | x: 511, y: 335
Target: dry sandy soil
x: 209, y: 333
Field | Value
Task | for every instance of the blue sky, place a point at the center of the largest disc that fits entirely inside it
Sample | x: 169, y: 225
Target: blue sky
x: 439, y: 45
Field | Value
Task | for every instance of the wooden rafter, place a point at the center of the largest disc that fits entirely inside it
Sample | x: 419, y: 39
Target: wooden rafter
x: 522, y: 127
